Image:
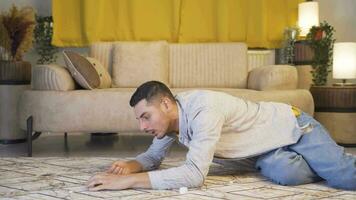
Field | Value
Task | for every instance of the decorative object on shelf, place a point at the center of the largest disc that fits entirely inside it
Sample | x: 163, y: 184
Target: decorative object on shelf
x: 16, y: 31
x: 308, y: 16
x: 43, y: 37
x: 344, y: 62
x: 321, y: 40
x: 286, y: 54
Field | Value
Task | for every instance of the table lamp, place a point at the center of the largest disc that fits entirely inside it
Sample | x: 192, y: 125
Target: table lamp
x: 344, y: 62
x: 308, y: 16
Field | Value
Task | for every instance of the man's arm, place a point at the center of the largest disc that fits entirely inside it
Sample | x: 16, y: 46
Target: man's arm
x: 152, y: 158
x: 206, y: 126
x: 118, y: 182
x: 125, y: 167
x: 124, y: 174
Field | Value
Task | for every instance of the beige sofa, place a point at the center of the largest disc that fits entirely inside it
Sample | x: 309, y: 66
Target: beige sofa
x: 54, y: 105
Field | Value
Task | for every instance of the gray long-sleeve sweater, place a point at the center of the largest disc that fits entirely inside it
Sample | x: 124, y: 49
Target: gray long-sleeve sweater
x: 217, y: 124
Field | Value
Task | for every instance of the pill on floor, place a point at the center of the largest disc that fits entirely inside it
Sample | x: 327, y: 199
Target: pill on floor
x: 183, y: 190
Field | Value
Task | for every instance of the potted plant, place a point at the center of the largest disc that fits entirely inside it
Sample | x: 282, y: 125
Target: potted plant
x: 43, y: 37
x: 321, y: 40
x: 16, y: 35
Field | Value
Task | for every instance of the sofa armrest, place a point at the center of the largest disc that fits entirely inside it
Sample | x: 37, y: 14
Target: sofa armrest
x: 51, y: 77
x: 273, y: 77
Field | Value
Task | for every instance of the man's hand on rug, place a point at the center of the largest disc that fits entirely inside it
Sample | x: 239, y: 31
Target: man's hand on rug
x: 105, y: 181
x: 119, y: 167
x: 125, y: 167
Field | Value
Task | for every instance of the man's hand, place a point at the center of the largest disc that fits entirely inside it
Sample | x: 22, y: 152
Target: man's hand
x: 108, y: 181
x: 125, y: 167
x: 105, y: 181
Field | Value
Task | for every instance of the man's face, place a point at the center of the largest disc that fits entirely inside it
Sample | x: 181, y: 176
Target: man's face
x: 152, y: 117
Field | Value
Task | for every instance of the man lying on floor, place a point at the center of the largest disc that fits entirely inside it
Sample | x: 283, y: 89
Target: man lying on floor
x: 289, y: 146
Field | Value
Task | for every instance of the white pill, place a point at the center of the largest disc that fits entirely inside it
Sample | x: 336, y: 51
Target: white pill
x: 183, y: 190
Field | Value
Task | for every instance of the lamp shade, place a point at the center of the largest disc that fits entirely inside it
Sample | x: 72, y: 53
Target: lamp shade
x: 308, y: 16
x: 344, y: 60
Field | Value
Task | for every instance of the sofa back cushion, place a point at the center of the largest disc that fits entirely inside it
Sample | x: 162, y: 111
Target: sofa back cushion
x: 137, y: 62
x: 103, y: 52
x: 208, y: 65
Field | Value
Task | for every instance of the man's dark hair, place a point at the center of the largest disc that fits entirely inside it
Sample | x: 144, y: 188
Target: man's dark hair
x: 150, y: 90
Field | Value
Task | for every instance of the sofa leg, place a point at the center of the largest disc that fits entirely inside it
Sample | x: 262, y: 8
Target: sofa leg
x: 66, y: 141
x: 66, y: 149
x: 36, y: 135
x: 30, y: 137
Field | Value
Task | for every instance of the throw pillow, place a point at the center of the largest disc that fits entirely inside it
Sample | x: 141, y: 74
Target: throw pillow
x: 51, y: 77
x: 88, y: 72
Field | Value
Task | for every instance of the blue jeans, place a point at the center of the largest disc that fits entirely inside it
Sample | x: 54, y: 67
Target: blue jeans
x: 314, y: 157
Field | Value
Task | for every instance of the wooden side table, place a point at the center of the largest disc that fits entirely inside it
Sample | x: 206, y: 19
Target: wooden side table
x: 335, y: 108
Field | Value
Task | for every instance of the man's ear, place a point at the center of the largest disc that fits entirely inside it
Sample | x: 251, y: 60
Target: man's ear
x: 166, y: 103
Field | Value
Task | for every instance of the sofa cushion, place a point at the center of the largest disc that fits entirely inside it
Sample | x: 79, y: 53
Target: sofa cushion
x: 273, y: 77
x: 208, y: 65
x: 98, y: 110
x: 51, y: 77
x: 137, y: 62
x: 88, y: 72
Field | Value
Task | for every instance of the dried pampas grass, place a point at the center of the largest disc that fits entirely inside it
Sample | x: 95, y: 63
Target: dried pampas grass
x: 5, y: 42
x: 19, y: 25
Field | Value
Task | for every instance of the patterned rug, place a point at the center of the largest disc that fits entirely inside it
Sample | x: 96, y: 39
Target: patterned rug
x: 65, y: 178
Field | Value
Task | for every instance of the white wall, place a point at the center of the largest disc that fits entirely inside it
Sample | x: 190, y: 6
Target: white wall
x: 341, y: 14
x: 42, y: 7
